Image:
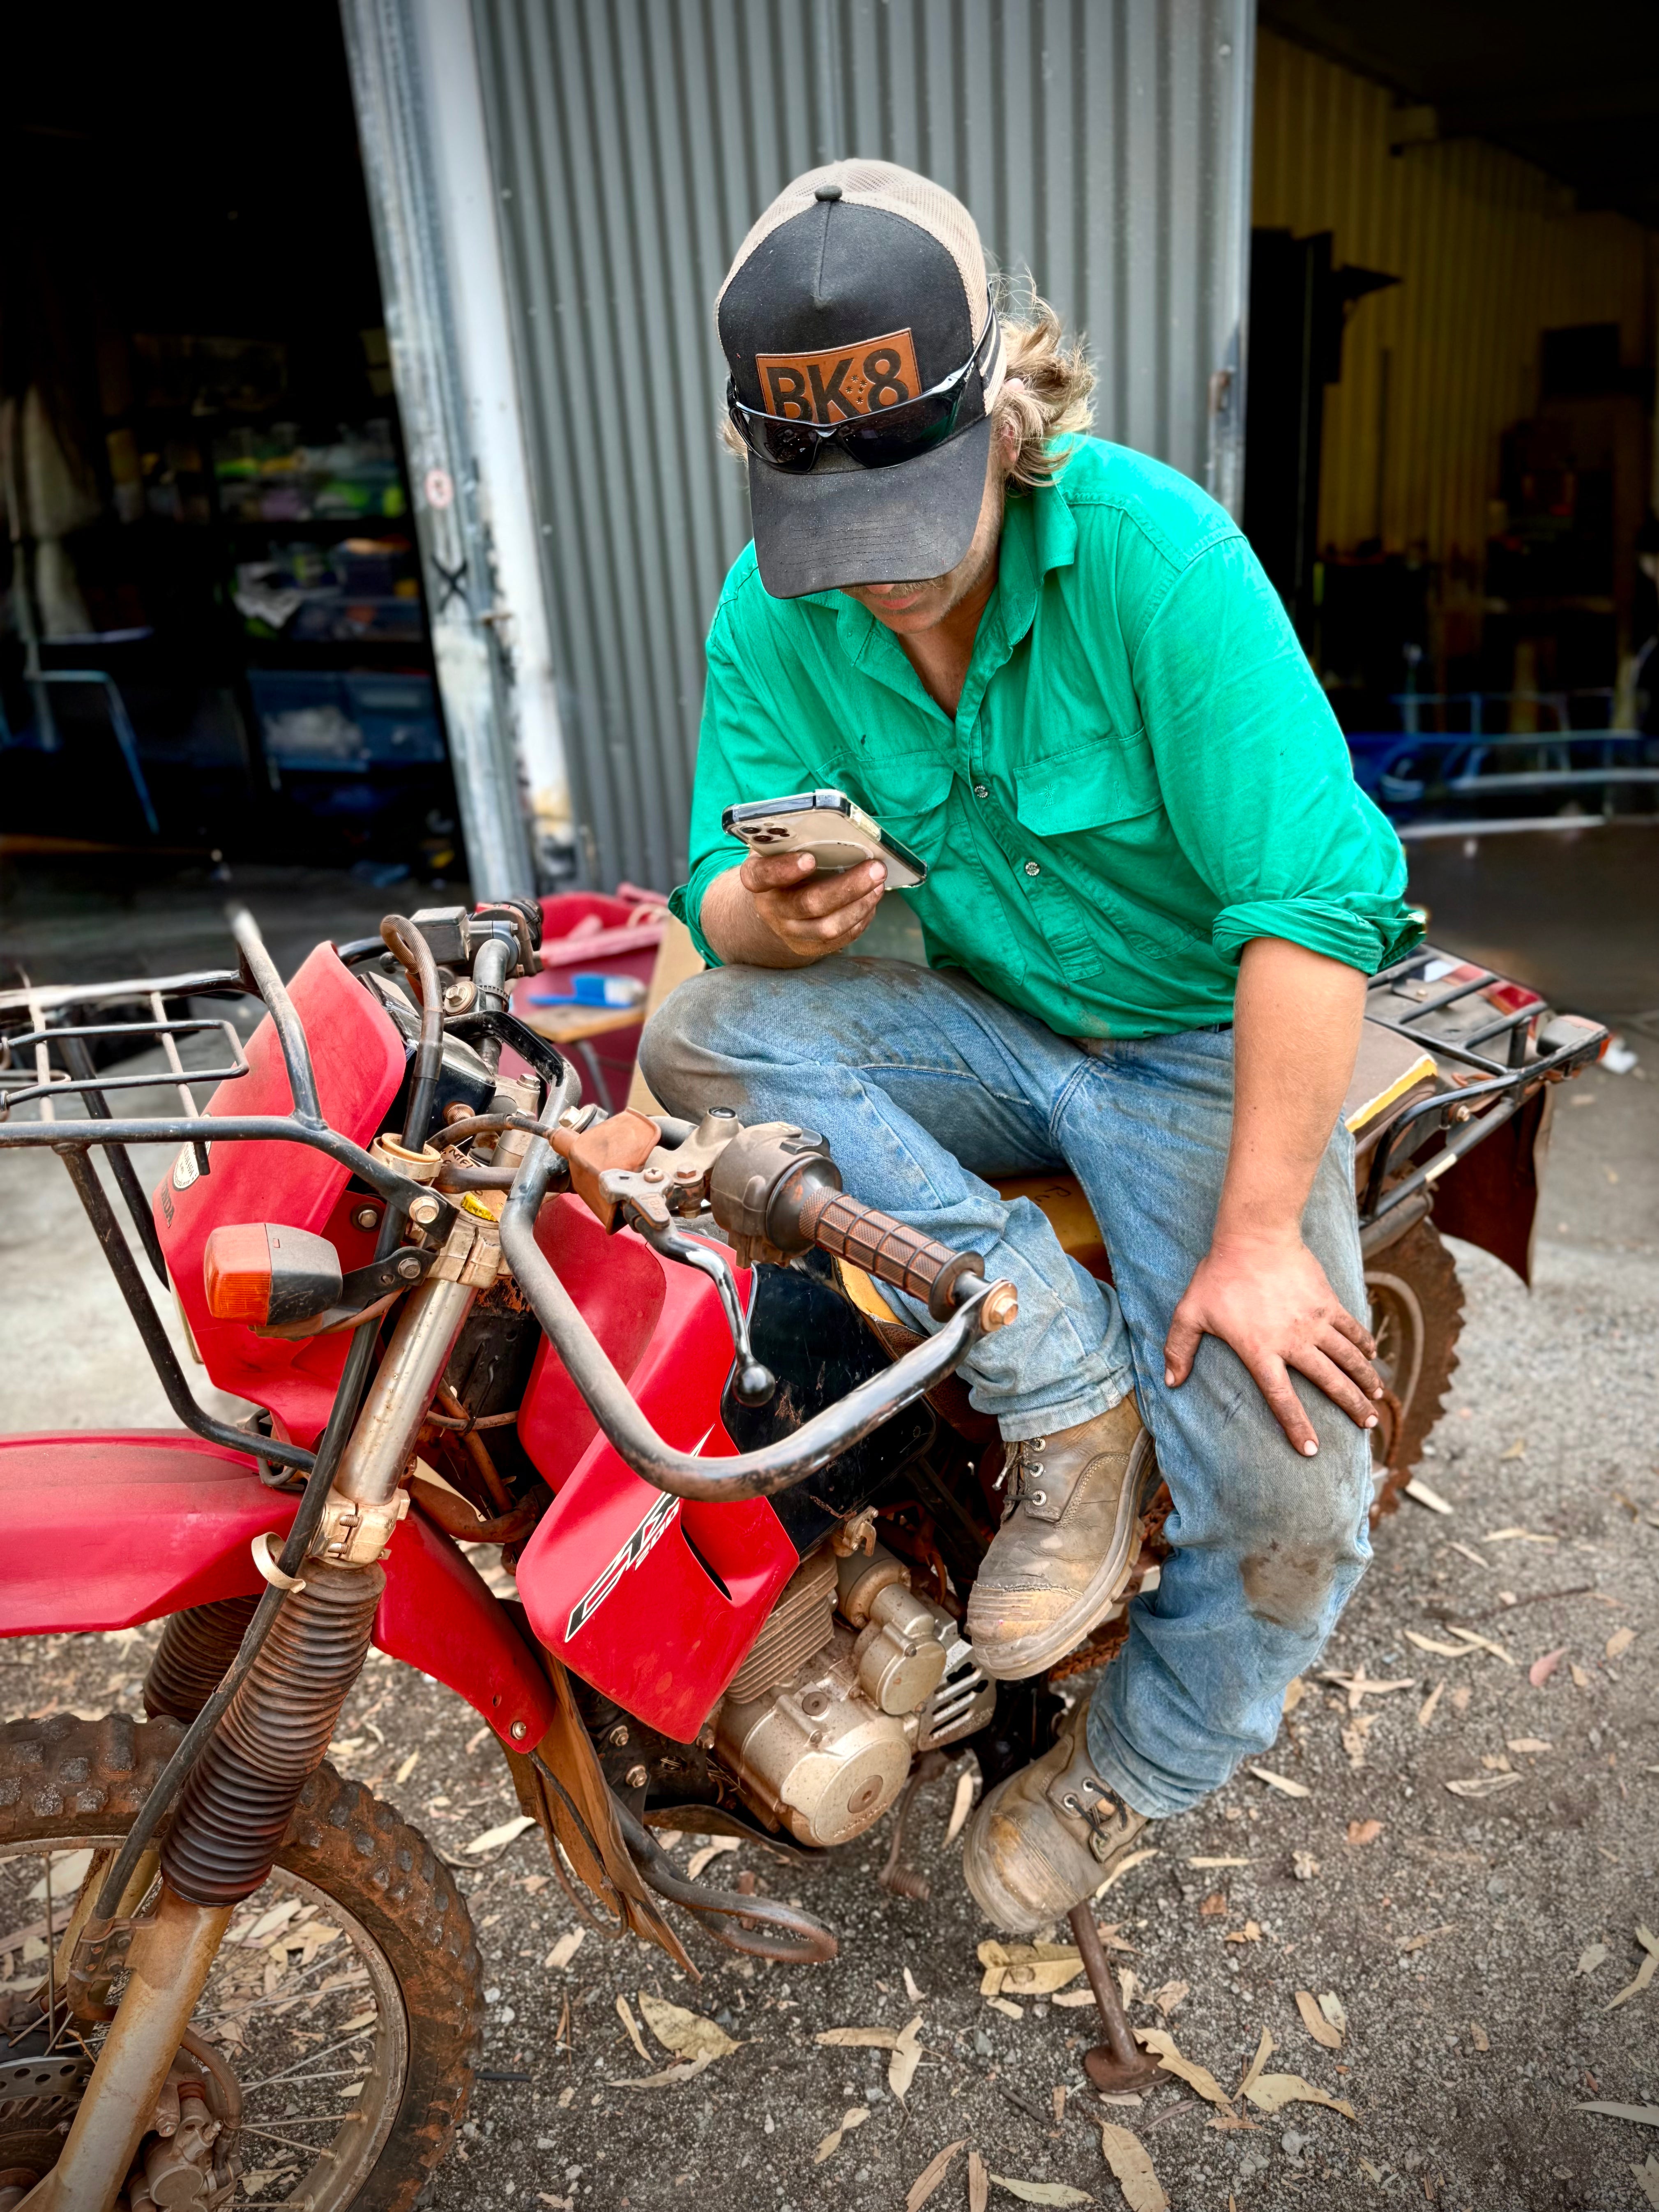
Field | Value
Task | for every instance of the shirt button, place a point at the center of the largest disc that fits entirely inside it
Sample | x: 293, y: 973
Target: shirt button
x: 1032, y: 869
x: 982, y: 791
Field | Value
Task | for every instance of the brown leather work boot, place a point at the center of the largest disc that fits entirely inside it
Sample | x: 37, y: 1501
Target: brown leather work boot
x: 1046, y: 1839
x: 1067, y: 1540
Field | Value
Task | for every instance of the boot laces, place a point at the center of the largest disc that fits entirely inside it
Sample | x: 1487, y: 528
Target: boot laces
x: 1096, y: 1816
x: 1019, y: 1470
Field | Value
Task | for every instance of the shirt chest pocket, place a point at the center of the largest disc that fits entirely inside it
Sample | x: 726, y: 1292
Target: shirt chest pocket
x: 909, y: 795
x: 1106, y: 782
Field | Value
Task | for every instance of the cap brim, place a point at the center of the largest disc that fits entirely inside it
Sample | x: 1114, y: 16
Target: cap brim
x: 836, y: 527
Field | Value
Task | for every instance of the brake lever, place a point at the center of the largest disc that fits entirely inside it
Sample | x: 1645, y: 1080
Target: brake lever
x: 755, y: 1382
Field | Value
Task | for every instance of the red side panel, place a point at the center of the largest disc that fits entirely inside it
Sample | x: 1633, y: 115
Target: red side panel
x: 611, y: 1579
x: 104, y: 1531
x: 359, y: 1057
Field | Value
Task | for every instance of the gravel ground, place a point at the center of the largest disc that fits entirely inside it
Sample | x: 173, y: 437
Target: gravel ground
x: 1461, y: 1940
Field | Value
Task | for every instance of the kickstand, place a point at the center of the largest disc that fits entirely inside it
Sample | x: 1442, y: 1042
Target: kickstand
x: 897, y: 1880
x: 1118, y: 2064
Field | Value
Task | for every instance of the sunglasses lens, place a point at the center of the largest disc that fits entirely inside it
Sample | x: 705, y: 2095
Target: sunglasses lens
x: 788, y: 445
x: 900, y: 434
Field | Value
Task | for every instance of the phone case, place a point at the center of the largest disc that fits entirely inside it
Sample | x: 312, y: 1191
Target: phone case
x: 838, y: 834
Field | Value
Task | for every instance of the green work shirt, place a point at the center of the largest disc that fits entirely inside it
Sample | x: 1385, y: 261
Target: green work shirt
x: 1141, y: 776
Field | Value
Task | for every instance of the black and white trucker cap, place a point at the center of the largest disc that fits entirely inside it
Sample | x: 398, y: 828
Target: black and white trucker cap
x: 857, y: 264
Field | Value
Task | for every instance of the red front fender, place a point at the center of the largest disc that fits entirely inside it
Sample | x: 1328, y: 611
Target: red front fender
x: 105, y: 1531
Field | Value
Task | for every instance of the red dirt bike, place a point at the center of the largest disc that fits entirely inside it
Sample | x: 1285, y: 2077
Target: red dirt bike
x: 743, y: 1501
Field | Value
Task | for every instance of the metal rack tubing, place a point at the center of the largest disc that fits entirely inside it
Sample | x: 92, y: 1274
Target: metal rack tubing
x: 290, y: 1031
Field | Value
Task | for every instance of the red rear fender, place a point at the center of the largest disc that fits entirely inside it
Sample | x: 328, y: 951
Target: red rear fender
x: 105, y: 1531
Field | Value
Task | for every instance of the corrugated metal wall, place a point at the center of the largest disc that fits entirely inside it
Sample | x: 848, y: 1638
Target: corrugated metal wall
x: 1101, y: 143
x: 1491, y: 252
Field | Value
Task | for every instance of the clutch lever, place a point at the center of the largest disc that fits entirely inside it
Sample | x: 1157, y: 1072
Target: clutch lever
x: 755, y: 1382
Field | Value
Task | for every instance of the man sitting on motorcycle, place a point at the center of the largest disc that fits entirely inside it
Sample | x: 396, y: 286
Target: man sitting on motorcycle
x: 1055, y: 670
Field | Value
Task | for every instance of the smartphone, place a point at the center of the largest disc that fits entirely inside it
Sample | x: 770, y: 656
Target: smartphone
x: 827, y: 825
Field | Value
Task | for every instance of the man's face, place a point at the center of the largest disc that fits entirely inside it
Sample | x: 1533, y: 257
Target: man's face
x: 909, y: 608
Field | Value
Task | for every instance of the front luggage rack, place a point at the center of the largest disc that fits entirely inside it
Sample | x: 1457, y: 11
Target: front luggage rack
x: 1456, y: 1022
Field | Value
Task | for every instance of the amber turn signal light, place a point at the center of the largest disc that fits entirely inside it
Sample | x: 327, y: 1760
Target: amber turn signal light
x: 265, y: 1275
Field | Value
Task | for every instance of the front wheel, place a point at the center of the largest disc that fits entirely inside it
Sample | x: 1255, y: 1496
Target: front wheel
x: 340, y: 2023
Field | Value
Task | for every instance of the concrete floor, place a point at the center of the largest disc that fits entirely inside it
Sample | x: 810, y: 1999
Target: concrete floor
x: 1467, y: 2051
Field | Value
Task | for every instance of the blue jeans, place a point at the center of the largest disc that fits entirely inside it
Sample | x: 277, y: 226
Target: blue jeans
x: 924, y: 1084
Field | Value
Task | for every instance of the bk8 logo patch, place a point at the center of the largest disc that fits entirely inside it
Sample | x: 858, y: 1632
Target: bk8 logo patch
x: 841, y: 384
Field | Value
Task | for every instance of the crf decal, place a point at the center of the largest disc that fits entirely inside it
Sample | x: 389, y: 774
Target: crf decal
x: 839, y: 386
x: 654, y: 1526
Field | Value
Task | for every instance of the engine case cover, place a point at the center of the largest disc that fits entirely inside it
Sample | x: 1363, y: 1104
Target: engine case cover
x: 817, y: 1756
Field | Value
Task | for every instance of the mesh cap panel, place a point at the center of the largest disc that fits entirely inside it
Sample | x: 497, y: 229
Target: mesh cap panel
x: 897, y: 192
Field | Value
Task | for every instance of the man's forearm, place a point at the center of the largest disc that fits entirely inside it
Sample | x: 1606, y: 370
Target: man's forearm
x: 1296, y: 1020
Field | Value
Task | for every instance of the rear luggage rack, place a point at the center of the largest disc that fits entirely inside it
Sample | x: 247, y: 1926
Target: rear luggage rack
x: 1507, y: 1041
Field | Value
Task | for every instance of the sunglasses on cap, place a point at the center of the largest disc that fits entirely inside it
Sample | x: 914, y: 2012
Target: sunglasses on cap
x: 881, y: 440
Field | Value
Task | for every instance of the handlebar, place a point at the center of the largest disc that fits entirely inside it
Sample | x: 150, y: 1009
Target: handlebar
x: 980, y: 1308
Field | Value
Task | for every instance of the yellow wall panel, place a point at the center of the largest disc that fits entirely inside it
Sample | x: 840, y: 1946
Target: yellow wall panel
x: 1491, y: 253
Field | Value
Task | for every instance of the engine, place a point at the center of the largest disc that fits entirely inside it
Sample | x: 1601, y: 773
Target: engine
x: 851, y: 1677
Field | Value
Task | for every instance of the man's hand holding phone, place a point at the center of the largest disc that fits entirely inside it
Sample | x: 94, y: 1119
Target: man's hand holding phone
x: 812, y: 914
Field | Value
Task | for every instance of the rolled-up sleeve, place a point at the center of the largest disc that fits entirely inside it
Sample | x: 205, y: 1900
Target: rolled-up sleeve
x: 741, y: 755
x: 1256, y: 775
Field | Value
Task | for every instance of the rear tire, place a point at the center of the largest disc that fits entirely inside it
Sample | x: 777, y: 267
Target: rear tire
x: 1417, y: 1317
x: 65, y: 1779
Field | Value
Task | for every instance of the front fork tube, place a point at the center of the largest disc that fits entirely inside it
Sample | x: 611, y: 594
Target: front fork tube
x: 236, y: 1805
x: 170, y: 1961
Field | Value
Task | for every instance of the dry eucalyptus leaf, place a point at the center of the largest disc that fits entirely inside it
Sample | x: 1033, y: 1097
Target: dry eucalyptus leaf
x: 566, y: 1948
x: 1316, y: 2022
x: 1644, y: 1972
x: 1478, y: 2037
x: 1011, y: 2011
x: 1066, y: 1997
x: 1271, y: 2093
x: 1132, y: 2170
x: 1253, y: 2071
x: 1334, y: 2010
x: 930, y: 2177
x: 910, y: 1989
x: 687, y: 2035
x: 1531, y: 1744
x: 1160, y: 2041
x: 1363, y: 1832
x: 1426, y: 1711
x: 507, y: 1834
x: 1281, y: 1781
x: 1443, y: 1650
x: 1249, y: 1933
x: 1041, y: 1978
x: 1481, y: 1643
x: 1620, y: 1642
x: 709, y: 1852
x: 907, y: 2057
x: 961, y: 1805
x: 1294, y: 1691
x: 1135, y: 1859
x: 1409, y: 1943
x: 1591, y: 1957
x: 625, y: 2014
x: 1420, y: 1489
x: 1170, y: 1996
x: 1581, y: 1680
x: 858, y: 2038
x: 854, y: 2117
x: 671, y: 2077
x: 1484, y: 1785
x: 408, y: 1767
x: 979, y: 2184
x: 1217, y: 1862
x: 1042, y: 2192
x: 1645, y: 2116
x: 1213, y: 1905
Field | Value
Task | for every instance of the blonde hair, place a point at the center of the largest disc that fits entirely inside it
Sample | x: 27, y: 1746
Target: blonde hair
x: 1045, y: 391
x: 1046, y: 385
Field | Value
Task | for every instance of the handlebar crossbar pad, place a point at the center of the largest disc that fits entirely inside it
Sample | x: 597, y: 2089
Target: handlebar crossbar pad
x: 918, y: 1265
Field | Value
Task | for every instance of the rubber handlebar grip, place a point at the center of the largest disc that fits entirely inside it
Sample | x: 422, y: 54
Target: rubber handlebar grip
x: 918, y: 1265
